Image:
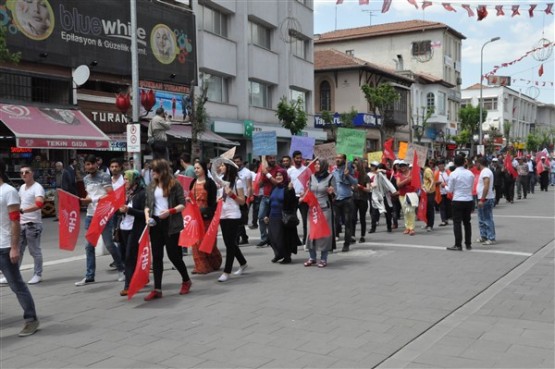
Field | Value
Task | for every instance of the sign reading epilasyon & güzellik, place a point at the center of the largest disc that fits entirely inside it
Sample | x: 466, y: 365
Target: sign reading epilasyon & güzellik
x: 98, y: 33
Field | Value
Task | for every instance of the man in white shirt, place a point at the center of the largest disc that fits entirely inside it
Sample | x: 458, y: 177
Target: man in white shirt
x: 31, y: 194
x: 486, y: 197
x: 245, y: 176
x: 116, y: 168
x: 460, y: 184
x: 10, y: 216
x: 294, y: 171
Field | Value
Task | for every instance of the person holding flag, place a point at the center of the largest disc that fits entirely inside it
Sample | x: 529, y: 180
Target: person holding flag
x: 404, y: 185
x: 429, y: 187
x: 294, y: 172
x: 97, y: 184
x: 321, y: 185
x: 343, y: 205
x: 164, y: 203
x: 132, y: 222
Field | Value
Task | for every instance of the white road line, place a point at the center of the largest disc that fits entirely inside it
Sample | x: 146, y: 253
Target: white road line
x: 523, y: 216
x: 54, y: 262
x: 442, y: 248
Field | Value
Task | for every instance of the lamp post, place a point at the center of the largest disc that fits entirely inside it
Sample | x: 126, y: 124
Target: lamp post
x: 481, y: 86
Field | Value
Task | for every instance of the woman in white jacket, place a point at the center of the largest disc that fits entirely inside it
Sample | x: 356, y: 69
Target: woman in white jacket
x: 382, y: 189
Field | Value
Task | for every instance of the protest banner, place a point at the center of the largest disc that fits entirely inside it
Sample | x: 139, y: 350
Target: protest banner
x: 350, y: 142
x: 403, y: 147
x: 264, y: 143
x: 422, y: 154
x: 375, y: 156
x: 302, y: 144
x: 325, y: 152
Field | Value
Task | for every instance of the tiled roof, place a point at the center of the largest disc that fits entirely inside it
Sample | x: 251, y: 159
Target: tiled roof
x: 332, y: 59
x: 383, y: 30
x: 475, y: 86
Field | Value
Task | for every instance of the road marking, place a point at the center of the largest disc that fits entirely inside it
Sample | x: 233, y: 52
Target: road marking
x: 54, y: 262
x: 442, y: 248
x: 524, y: 216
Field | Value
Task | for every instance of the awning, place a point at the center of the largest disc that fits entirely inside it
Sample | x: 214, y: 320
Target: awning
x: 52, y: 128
x: 184, y: 131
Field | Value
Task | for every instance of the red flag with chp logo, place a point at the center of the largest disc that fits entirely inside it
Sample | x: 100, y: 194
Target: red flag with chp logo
x: 142, y: 268
x: 105, y: 209
x: 69, y: 217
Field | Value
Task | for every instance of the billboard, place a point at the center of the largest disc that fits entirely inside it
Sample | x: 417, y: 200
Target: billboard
x: 70, y: 33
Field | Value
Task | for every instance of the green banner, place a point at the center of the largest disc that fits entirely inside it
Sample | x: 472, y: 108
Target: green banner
x: 350, y: 142
x: 248, y: 127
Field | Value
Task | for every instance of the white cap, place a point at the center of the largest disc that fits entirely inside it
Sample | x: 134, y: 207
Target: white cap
x: 451, y: 164
x: 494, y: 159
x: 374, y: 163
x: 402, y: 162
x: 396, y: 161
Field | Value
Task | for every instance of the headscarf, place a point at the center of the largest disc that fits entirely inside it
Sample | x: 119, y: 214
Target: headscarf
x: 134, y: 177
x: 323, y: 173
x: 285, y: 177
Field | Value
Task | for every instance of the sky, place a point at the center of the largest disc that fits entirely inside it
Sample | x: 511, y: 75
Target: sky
x: 519, y: 35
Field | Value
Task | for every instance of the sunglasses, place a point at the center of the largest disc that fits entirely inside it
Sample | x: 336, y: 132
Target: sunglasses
x: 25, y: 172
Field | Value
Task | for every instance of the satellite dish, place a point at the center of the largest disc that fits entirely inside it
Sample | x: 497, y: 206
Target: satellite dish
x: 81, y: 75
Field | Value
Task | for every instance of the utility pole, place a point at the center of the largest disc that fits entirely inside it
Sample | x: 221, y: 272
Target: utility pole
x: 135, y: 77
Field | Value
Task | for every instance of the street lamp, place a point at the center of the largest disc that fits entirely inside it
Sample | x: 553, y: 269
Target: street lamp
x: 481, y: 86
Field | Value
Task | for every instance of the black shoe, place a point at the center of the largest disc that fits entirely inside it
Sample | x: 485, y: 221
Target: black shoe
x: 454, y: 248
x: 261, y: 244
x: 373, y: 230
x: 362, y: 240
x: 345, y: 249
x: 113, y: 265
x: 244, y: 241
x: 468, y: 247
x: 276, y: 259
x: 286, y: 261
x: 253, y: 226
x: 389, y: 230
x: 353, y: 240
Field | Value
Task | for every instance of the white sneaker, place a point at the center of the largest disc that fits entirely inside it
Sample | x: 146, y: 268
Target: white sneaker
x: 240, y: 270
x: 223, y: 278
x: 36, y: 279
x: 3, y: 280
x: 84, y: 282
x: 121, y: 276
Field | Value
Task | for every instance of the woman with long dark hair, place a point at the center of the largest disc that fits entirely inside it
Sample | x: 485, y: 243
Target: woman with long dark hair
x: 164, y: 203
x: 233, y: 197
x: 360, y: 197
x: 203, y: 190
x: 284, y: 240
x: 132, y: 223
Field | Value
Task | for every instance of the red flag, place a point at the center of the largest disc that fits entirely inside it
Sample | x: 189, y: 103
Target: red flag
x: 69, y: 220
x: 500, y: 12
x: 468, y: 9
x: 142, y: 268
x: 319, y: 227
x: 256, y: 181
x: 539, y: 167
x: 185, y: 182
x: 105, y: 208
x: 422, y: 207
x: 548, y: 8
x: 415, y: 173
x: 449, y: 7
x: 508, y: 163
x: 339, y: 2
x: 209, y: 239
x: 363, y: 2
x: 540, y: 71
x: 388, y: 149
x: 304, y: 177
x: 193, y: 225
x: 482, y: 12
x: 386, y: 5
x: 413, y: 2
x: 531, y: 10
x: 426, y: 4
x: 514, y: 8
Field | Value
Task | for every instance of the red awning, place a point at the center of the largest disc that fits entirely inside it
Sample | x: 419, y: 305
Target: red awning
x: 52, y: 128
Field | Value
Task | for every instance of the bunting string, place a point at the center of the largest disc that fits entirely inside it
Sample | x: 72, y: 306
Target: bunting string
x: 505, y: 65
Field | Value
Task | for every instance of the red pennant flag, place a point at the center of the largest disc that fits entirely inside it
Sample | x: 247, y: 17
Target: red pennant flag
x: 508, y: 164
x: 539, y: 167
x: 185, y: 182
x: 209, y: 239
x: 413, y: 2
x: 468, y: 9
x: 388, y: 149
x: 548, y: 8
x: 415, y: 173
x: 448, y: 7
x: 256, y: 181
x: 105, y: 209
x: 422, y: 207
x: 482, y: 12
x: 426, y: 4
x: 69, y: 209
x: 304, y: 177
x: 515, y: 11
x: 386, y: 5
x: 319, y: 227
x: 531, y: 10
x: 193, y: 225
x: 540, y: 71
x: 500, y: 12
x: 363, y: 2
x: 339, y: 2
x: 142, y: 268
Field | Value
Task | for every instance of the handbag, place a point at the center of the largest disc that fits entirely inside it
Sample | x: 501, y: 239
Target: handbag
x: 289, y: 219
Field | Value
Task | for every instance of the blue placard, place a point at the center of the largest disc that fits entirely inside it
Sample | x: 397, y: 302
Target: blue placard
x: 264, y: 143
x: 304, y: 145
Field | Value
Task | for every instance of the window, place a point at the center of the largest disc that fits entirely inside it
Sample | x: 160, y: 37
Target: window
x: 295, y: 94
x: 350, y: 52
x: 214, y: 21
x: 35, y: 88
x: 325, y: 96
x: 259, y: 95
x: 298, y: 47
x: 430, y: 101
x: 421, y: 48
x: 490, y: 103
x: 260, y: 35
x: 441, y: 103
x: 217, y: 88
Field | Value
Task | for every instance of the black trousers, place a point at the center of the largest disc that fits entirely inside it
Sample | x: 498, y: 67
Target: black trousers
x: 129, y: 248
x: 359, y: 211
x: 388, y: 215
x: 255, y: 205
x: 445, y: 208
x: 159, y: 238
x: 431, y: 209
x: 229, y: 233
x: 509, y: 189
x: 344, y: 208
x: 544, y: 180
x: 303, y: 208
x: 461, y: 217
x: 498, y: 193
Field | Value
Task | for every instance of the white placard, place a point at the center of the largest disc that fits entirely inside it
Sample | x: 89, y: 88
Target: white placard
x: 133, y: 138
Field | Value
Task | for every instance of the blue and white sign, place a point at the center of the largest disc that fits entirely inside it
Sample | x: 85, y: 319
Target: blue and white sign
x: 361, y: 120
x: 264, y: 143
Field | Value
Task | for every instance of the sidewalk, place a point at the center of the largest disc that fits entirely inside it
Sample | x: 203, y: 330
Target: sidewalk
x: 394, y: 301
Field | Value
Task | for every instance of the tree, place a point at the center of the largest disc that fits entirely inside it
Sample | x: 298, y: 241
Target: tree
x: 470, y: 120
x: 348, y: 117
x: 5, y: 54
x: 292, y: 114
x: 327, y: 117
x: 382, y: 97
x: 199, y: 117
x: 533, y: 142
x: 426, y: 114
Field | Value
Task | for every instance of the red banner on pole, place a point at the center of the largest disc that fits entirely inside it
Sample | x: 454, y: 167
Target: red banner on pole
x: 415, y: 173
x: 142, y: 268
x: 209, y: 239
x: 319, y: 227
x: 423, y: 207
x: 105, y: 209
x: 193, y: 225
x: 69, y: 220
x: 185, y: 182
x: 388, y: 150
x: 305, y: 175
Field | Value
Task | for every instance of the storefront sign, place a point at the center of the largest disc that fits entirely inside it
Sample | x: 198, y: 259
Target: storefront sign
x: 118, y: 146
x: 61, y: 144
x: 360, y: 120
x: 108, y: 117
x: 20, y: 150
x: 71, y: 33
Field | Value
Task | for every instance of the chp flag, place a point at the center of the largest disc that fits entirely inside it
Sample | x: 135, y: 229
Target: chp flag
x: 69, y: 208
x: 105, y: 209
x: 142, y: 268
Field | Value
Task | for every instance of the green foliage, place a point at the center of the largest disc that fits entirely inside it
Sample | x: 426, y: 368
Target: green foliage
x: 464, y: 137
x: 470, y: 118
x: 347, y: 117
x: 532, y: 142
x: 383, y: 96
x: 5, y: 54
x: 199, y: 116
x: 507, y: 129
x: 292, y: 114
x: 327, y: 117
x: 426, y: 115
